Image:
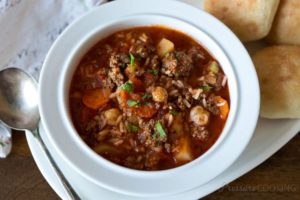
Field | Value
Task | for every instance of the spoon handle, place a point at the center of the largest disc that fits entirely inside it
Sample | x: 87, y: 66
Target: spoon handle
x: 72, y: 195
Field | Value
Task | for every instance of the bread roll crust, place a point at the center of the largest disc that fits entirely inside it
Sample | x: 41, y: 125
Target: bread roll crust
x: 286, y: 26
x: 278, y: 69
x: 248, y: 19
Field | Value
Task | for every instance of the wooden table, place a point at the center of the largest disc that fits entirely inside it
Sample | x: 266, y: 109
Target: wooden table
x: 278, y: 178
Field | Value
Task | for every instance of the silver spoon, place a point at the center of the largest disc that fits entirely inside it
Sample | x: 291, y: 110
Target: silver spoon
x: 19, y: 110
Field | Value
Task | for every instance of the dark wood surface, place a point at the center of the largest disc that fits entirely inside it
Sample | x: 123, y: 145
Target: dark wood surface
x: 278, y: 178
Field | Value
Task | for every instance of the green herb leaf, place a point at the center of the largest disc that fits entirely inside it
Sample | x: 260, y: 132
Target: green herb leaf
x: 131, y: 69
x: 153, y: 71
x: 127, y: 86
x: 132, y: 102
x: 160, y: 130
x: 132, y: 66
x: 133, y: 128
x: 132, y: 59
x: 214, y: 67
x: 2, y: 144
x: 173, y: 112
x: 146, y: 96
x: 206, y: 88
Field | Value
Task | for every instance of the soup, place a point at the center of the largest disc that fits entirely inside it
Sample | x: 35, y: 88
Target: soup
x: 149, y: 98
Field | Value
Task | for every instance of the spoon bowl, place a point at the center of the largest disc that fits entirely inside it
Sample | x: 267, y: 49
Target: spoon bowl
x: 18, y: 99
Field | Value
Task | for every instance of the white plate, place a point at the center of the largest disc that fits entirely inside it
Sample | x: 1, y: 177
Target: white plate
x: 75, y: 41
x: 269, y: 137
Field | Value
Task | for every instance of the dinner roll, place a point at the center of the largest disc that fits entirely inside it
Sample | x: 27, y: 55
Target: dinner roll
x: 278, y: 69
x: 248, y: 19
x: 286, y: 26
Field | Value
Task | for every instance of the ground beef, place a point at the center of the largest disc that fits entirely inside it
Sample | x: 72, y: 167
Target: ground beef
x: 181, y: 96
x: 145, y: 137
x: 119, y: 60
x: 177, y: 64
x: 116, y: 76
x: 211, y: 105
x: 184, y: 62
x: 197, y: 54
x: 102, y: 79
x: 141, y: 49
x: 199, y: 132
x: 155, y: 62
x: 169, y: 65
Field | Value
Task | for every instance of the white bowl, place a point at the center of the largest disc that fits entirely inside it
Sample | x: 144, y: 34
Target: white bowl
x: 74, y: 43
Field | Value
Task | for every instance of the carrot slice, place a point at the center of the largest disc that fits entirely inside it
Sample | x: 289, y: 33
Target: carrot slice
x: 123, y: 96
x: 138, y: 84
x: 145, y: 111
x: 223, y: 106
x: 96, y: 98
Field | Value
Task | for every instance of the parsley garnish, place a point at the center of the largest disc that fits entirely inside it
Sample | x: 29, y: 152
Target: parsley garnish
x: 132, y: 66
x: 153, y: 71
x: 206, y: 88
x: 133, y: 128
x: 146, y: 96
x: 160, y: 130
x: 132, y: 102
x: 127, y: 86
x: 132, y: 59
x: 173, y: 112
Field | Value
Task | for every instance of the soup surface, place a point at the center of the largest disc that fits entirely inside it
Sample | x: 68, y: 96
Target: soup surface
x: 149, y: 98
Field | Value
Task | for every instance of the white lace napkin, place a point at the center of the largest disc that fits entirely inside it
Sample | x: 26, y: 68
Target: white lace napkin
x: 5, y: 141
x: 28, y: 28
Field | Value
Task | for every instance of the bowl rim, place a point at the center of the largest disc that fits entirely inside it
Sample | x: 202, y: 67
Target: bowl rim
x: 44, y: 102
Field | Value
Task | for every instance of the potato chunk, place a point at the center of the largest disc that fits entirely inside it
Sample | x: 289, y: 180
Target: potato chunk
x: 164, y: 46
x: 184, y: 153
